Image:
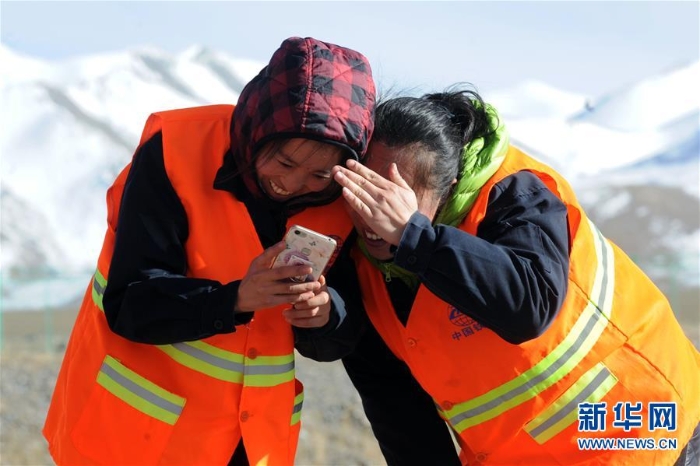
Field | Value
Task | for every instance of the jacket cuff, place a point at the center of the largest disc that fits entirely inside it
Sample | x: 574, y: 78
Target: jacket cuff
x: 416, y: 245
x: 242, y: 318
x: 219, y: 316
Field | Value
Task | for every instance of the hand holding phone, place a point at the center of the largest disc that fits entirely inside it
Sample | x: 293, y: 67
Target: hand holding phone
x: 263, y: 287
x: 306, y: 247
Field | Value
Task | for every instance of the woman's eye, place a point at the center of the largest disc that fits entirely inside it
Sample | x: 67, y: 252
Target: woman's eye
x: 284, y: 163
x: 324, y: 176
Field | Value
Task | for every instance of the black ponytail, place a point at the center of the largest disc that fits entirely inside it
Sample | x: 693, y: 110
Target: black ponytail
x: 467, y: 110
x: 433, y: 128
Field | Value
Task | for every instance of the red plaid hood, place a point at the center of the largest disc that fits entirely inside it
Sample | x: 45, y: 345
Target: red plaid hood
x: 310, y: 89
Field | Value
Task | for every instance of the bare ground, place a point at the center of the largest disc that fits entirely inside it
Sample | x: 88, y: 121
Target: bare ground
x: 334, y: 429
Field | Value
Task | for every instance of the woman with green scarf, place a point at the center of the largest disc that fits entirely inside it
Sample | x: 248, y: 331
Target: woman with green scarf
x: 505, y: 311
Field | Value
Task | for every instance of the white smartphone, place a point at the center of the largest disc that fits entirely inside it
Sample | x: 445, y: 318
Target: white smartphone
x: 306, y: 247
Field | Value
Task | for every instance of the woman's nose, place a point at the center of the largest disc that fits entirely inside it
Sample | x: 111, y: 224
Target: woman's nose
x: 294, y: 182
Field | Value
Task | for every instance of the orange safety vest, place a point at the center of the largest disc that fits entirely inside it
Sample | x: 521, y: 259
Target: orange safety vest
x: 120, y: 402
x: 615, y: 339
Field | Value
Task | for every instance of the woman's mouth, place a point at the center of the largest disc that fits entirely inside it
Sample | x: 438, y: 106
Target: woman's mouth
x: 278, y: 189
x: 373, y: 239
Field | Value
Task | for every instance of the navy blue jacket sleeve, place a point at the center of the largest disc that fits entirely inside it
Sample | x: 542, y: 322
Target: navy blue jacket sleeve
x: 148, y: 298
x: 512, y: 276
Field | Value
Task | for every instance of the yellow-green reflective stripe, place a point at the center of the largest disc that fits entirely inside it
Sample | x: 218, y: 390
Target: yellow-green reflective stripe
x: 207, y: 359
x: 296, y: 413
x: 264, y: 371
x: 268, y: 380
x: 590, y: 388
x: 271, y: 360
x: 537, y: 379
x: 604, y: 283
x: 139, y: 392
x: 99, y: 283
x: 559, y: 362
x: 267, y: 371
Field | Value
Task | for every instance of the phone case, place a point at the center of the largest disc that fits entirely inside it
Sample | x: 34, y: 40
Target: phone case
x: 307, y: 247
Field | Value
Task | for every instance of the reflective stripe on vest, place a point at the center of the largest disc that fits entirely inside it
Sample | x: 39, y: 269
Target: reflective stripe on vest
x: 580, y: 339
x: 138, y: 392
x: 99, y: 284
x: 590, y: 388
x: 263, y: 371
x: 296, y: 413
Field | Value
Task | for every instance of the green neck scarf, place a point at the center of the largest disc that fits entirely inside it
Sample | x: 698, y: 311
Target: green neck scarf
x: 481, y: 158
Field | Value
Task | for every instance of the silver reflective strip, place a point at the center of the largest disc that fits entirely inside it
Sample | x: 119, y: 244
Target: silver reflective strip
x: 604, y: 285
x: 99, y: 288
x: 531, y: 383
x: 269, y: 369
x: 140, y: 391
x: 209, y: 358
x: 297, y: 408
x: 573, y: 404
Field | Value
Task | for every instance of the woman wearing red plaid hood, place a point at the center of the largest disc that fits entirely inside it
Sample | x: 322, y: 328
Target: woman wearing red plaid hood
x: 181, y: 352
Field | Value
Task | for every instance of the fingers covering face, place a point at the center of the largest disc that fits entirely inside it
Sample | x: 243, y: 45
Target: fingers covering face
x: 360, y: 176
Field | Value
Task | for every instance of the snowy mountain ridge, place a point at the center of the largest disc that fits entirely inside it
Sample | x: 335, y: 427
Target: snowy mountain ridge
x: 70, y: 126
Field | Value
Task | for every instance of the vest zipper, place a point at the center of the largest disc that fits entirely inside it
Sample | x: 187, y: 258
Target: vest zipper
x: 387, y: 273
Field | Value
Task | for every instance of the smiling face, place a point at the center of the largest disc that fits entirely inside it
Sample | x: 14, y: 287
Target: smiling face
x: 379, y: 159
x: 296, y: 167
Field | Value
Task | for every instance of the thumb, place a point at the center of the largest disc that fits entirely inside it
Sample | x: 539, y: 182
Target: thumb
x: 265, y: 260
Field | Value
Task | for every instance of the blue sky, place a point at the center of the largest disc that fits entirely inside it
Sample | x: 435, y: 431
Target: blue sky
x: 585, y: 47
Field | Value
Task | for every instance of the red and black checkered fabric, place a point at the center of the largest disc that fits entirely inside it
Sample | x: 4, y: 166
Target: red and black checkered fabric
x: 310, y: 89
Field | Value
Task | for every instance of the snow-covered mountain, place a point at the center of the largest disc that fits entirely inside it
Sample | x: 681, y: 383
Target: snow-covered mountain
x: 633, y: 156
x: 69, y: 126
x: 657, y: 116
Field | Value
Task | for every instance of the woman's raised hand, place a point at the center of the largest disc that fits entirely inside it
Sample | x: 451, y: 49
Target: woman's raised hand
x: 385, y: 205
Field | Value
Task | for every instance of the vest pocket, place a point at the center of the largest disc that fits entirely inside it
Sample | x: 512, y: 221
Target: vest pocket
x: 591, y: 387
x: 295, y: 424
x: 564, y: 428
x: 298, y: 402
x: 127, y: 419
